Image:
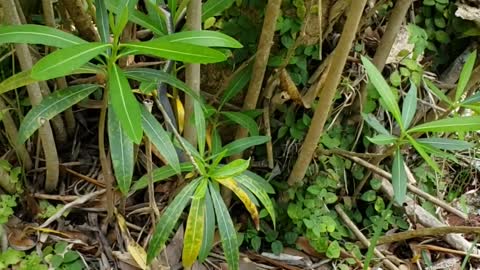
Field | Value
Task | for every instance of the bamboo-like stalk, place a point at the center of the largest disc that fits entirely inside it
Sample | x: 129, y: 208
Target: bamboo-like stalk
x: 397, y: 16
x: 35, y: 96
x: 328, y: 93
x: 82, y: 20
x: 192, y: 71
x: 12, y: 134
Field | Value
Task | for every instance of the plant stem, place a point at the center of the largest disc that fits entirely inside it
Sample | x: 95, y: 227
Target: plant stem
x: 328, y: 93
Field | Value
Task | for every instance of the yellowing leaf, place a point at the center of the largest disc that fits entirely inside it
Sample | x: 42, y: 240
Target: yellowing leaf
x: 180, y: 115
x: 243, y: 196
x: 138, y: 253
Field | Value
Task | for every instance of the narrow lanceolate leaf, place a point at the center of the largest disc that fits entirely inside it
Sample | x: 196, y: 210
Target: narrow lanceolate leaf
x: 240, y: 145
x: 102, y: 21
x: 266, y: 186
x: 160, y: 174
x: 383, y: 89
x: 244, y: 121
x: 447, y: 144
x: 168, y: 220
x: 422, y: 151
x: 259, y: 192
x: 65, y: 61
x: 437, y: 92
x: 399, y: 178
x: 228, y: 235
x: 209, y: 230
x: 472, y: 99
x: 160, y: 138
x: 382, y: 139
x: 243, y: 196
x: 200, y: 126
x: 195, y: 226
x: 374, y: 123
x: 124, y: 104
x: 153, y: 75
x: 38, y: 34
x: 121, y: 152
x: 237, y: 84
x: 52, y: 105
x: 203, y: 38
x: 454, y: 124
x: 214, y: 7
x: 177, y: 51
x: 233, y: 168
x: 137, y: 16
x: 465, y: 75
x: 409, y: 106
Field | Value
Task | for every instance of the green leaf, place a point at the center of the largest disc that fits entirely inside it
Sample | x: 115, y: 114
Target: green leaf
x: 65, y: 61
x: 454, y: 124
x: 233, y: 168
x: 383, y: 139
x: 176, y: 51
x: 261, y: 181
x: 244, y: 121
x: 103, y: 26
x: 137, y: 16
x: 153, y: 75
x: 421, y: 150
x: 52, y: 105
x: 200, y: 126
x: 209, y: 233
x: 228, y: 235
x: 160, y: 138
x: 437, y: 92
x: 409, y: 105
x: 194, y: 230
x: 237, y: 84
x: 214, y: 7
x: 204, y: 38
x: 161, y: 174
x: 240, y: 145
x: 374, y: 123
x: 259, y: 192
x: 383, y: 89
x: 121, y: 152
x: 399, y: 178
x: 169, y: 218
x: 38, y: 34
x: 447, y: 144
x: 369, y: 196
x: 333, y: 250
x: 124, y: 104
x: 465, y: 75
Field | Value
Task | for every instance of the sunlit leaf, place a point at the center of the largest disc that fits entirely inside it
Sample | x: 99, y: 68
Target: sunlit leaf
x: 244, y: 121
x: 447, y: 144
x: 231, y: 169
x: 160, y: 138
x: 125, y: 104
x: 204, y: 38
x: 465, y: 75
x: 52, y: 105
x: 195, y: 226
x: 454, y: 124
x: 409, y: 105
x: 243, y: 196
x: 399, y: 178
x: 121, y: 152
x: 168, y: 220
x: 228, y: 235
x: 240, y: 145
x: 38, y: 34
x: 176, y: 51
x: 257, y: 189
x: 383, y: 89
